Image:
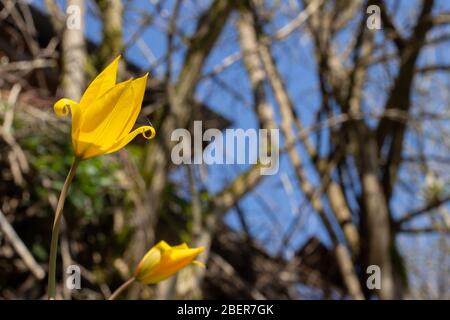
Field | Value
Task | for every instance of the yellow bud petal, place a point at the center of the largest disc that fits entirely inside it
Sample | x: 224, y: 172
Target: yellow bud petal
x: 170, y: 261
x: 152, y: 258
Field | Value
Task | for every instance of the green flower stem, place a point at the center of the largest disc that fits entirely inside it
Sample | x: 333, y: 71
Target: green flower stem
x: 55, y: 231
x: 121, y: 288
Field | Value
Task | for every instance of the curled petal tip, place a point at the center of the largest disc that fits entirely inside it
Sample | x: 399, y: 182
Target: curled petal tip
x: 62, y: 107
x: 61, y: 110
x: 145, y: 130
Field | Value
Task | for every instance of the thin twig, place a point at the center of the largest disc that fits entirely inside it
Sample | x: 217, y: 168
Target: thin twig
x: 413, y: 214
x: 21, y: 248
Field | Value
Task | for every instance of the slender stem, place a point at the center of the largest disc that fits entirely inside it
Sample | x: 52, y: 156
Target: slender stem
x: 55, y: 230
x: 121, y: 288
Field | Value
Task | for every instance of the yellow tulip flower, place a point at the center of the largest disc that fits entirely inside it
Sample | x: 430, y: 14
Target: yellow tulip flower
x: 106, y: 113
x: 162, y: 261
x: 159, y: 263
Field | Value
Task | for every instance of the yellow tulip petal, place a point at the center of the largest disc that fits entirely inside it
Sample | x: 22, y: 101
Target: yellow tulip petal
x: 133, y: 110
x: 127, y: 139
x: 101, y: 84
x: 86, y: 149
x: 163, y: 246
x: 182, y: 254
x: 62, y: 108
x: 152, y: 257
x: 119, y: 118
x: 122, y: 117
x: 96, y: 119
x: 181, y: 246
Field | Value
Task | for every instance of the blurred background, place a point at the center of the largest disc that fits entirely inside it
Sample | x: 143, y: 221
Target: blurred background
x: 359, y: 90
